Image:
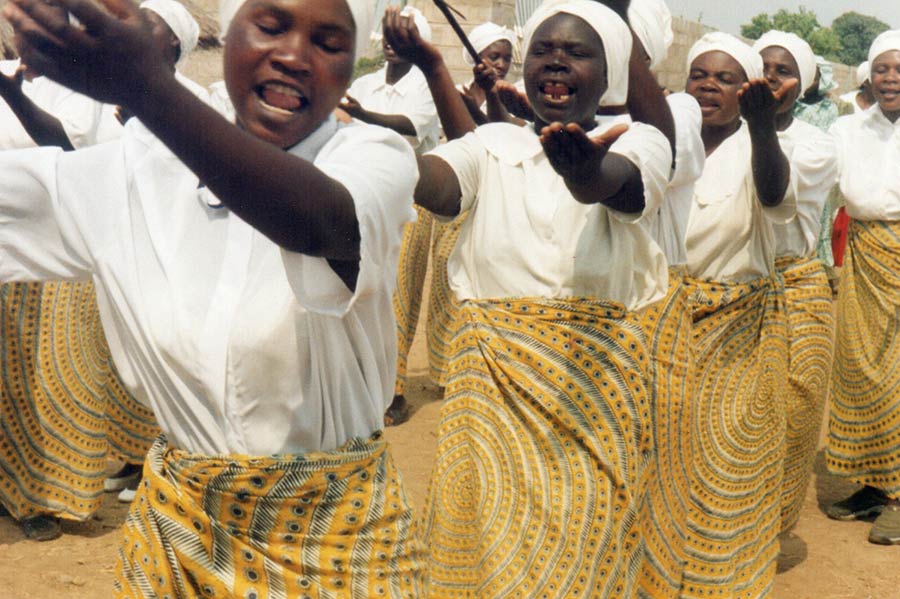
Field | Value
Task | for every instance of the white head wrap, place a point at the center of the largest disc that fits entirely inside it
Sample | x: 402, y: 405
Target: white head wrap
x: 750, y: 60
x: 863, y: 72
x: 889, y: 40
x: 651, y: 22
x: 420, y: 20
x: 179, y: 21
x: 798, y: 48
x: 486, y: 34
x: 363, y: 16
x: 613, y: 31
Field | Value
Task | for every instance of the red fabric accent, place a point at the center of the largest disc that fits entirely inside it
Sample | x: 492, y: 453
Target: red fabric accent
x: 839, y: 236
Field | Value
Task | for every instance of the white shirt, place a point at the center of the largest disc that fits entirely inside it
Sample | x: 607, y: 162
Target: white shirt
x: 850, y: 98
x: 869, y: 164
x: 729, y: 234
x: 526, y: 236
x: 813, y: 157
x: 410, y: 97
x: 669, y: 225
x: 238, y: 346
x: 79, y: 115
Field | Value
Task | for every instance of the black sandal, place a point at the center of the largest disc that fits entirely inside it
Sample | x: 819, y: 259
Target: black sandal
x: 41, y: 528
x: 397, y: 412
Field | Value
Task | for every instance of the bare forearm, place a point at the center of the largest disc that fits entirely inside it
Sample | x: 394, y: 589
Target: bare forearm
x: 771, y: 170
x: 497, y: 112
x: 451, y: 109
x: 44, y: 128
x: 286, y: 198
x: 646, y: 102
x: 438, y: 189
x: 398, y: 122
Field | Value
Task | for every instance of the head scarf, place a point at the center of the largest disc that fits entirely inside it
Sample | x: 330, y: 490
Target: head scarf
x: 799, y: 49
x: 486, y: 34
x: 363, y: 16
x: 889, y: 40
x: 651, y: 22
x: 863, y: 72
x: 749, y: 60
x: 613, y: 31
x: 179, y: 21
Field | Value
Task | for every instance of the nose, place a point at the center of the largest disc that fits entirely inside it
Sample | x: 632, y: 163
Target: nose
x: 292, y: 54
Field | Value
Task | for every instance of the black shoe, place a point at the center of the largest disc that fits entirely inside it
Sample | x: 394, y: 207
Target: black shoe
x: 397, y: 412
x: 865, y: 503
x: 41, y: 528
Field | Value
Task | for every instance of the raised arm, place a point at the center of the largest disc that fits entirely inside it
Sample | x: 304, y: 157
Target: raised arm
x: 113, y: 59
x: 44, y: 128
x: 646, y: 102
x: 403, y: 36
x: 771, y: 169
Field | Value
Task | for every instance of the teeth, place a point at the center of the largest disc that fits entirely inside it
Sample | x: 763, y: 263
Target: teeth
x: 276, y: 109
x: 284, y: 89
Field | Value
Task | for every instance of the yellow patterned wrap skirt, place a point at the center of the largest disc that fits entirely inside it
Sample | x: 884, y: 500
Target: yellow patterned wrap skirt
x: 411, y: 274
x: 864, y: 424
x: 810, y: 321
x: 443, y: 308
x: 130, y: 427
x: 53, y: 392
x: 665, y: 510
x: 740, y: 350
x: 543, y: 453
x: 328, y: 525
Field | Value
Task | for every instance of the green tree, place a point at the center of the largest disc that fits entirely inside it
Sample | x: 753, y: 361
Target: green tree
x: 804, y: 23
x: 856, y: 33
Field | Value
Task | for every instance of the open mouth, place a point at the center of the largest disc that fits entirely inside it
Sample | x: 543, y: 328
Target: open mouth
x: 556, y: 92
x: 280, y: 98
x: 707, y: 105
x: 890, y: 94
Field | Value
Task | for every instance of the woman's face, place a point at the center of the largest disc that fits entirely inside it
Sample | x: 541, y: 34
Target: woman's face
x: 779, y: 67
x: 565, y: 71
x: 714, y: 80
x: 287, y: 65
x: 886, y: 83
x: 499, y: 56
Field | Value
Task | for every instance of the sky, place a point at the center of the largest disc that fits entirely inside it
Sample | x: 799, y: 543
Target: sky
x: 729, y: 15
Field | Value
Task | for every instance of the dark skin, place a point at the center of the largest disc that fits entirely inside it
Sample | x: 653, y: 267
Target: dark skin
x: 397, y: 68
x: 865, y: 98
x: 565, y: 53
x: 780, y: 69
x: 496, y: 60
x: 719, y: 84
x: 886, y: 83
x: 304, y: 46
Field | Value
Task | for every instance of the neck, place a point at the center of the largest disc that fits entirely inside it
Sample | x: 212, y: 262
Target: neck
x: 612, y: 110
x: 396, y: 71
x: 784, y: 120
x: 713, y: 136
x: 891, y: 116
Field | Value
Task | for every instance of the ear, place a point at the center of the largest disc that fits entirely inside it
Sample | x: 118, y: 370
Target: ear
x: 174, y: 46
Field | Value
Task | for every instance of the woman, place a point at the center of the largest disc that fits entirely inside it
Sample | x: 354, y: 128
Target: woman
x: 862, y: 439
x: 738, y: 329
x: 813, y: 157
x: 494, y: 45
x: 253, y: 309
x: 541, y: 466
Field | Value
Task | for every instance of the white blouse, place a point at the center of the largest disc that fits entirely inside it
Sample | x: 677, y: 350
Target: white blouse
x: 669, y: 225
x: 239, y: 347
x: 813, y: 157
x: 79, y: 115
x: 410, y: 97
x: 730, y: 234
x: 526, y: 236
x: 869, y: 164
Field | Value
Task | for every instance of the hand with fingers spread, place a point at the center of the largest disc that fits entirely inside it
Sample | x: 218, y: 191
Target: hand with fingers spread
x: 351, y: 106
x: 573, y: 154
x: 759, y: 104
x: 401, y: 33
x: 516, y: 102
x: 473, y: 105
x: 485, y: 76
x: 110, y: 57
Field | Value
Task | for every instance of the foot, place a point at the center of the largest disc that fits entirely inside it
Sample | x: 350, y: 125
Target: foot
x: 886, y: 529
x: 865, y: 503
x: 129, y: 475
x: 41, y: 528
x: 398, y: 412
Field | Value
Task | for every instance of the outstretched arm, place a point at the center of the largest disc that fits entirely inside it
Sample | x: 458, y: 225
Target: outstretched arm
x: 398, y: 122
x: 113, y: 59
x: 592, y: 174
x: 403, y: 36
x: 44, y: 128
x: 771, y: 169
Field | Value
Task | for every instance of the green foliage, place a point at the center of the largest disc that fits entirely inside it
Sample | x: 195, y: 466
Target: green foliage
x: 856, y: 33
x: 823, y: 40
x: 365, y: 65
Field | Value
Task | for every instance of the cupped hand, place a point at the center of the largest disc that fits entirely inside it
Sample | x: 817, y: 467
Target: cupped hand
x: 516, y: 102
x: 757, y: 101
x: 572, y: 153
x: 110, y: 56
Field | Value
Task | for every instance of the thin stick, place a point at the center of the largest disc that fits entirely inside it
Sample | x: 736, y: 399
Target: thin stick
x: 448, y: 13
